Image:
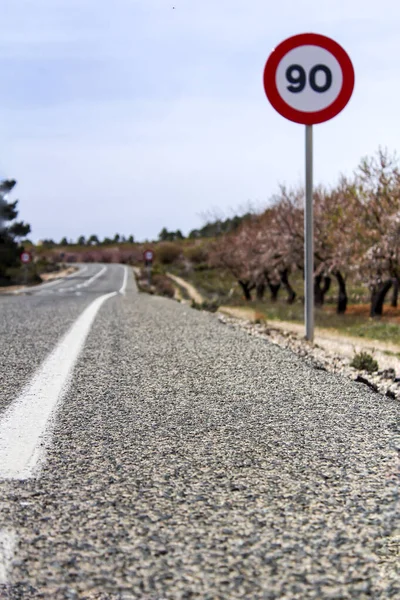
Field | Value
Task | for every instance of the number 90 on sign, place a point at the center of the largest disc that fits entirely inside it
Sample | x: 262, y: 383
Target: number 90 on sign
x: 309, y: 78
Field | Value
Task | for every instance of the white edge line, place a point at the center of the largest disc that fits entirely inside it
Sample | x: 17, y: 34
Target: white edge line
x: 25, y: 427
x: 125, y: 281
x: 85, y: 283
x: 8, y: 540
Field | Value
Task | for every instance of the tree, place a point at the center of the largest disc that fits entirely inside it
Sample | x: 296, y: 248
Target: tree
x: 170, y: 236
x: 335, y: 212
x: 131, y: 239
x: 282, y: 241
x: 48, y: 243
x: 64, y: 242
x: 240, y: 253
x: 81, y: 240
x: 163, y: 236
x: 218, y: 226
x: 93, y: 240
x: 10, y: 232
x: 377, y: 188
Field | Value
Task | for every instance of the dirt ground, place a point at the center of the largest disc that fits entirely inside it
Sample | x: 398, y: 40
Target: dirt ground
x: 58, y: 274
x: 390, y: 314
x: 191, y: 290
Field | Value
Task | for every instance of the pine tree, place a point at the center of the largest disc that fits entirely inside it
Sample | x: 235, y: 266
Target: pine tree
x: 10, y: 231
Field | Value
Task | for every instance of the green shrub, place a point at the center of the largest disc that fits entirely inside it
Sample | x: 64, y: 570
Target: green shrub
x: 363, y: 361
x: 168, y: 253
x: 23, y: 275
x: 202, y: 267
x: 197, y: 254
x: 210, y: 306
x: 163, y: 286
x: 44, y: 265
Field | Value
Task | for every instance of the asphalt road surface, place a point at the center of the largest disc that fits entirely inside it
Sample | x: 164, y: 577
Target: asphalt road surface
x: 148, y: 451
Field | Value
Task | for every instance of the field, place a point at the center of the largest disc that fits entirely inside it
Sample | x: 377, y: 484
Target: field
x: 218, y: 285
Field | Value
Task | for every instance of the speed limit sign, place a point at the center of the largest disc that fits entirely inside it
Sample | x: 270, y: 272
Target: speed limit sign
x: 25, y: 258
x: 309, y: 78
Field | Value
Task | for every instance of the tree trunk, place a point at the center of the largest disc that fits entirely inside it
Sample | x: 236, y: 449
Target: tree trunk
x: 378, y: 298
x: 260, y: 290
x: 342, y: 296
x: 321, y: 290
x: 246, y: 287
x: 274, y: 289
x: 285, y: 282
x: 395, y: 293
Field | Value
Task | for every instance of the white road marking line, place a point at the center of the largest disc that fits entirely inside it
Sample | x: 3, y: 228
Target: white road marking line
x: 37, y: 289
x: 85, y: 283
x: 44, y: 286
x: 8, y: 541
x: 26, y: 425
x: 89, y: 281
x: 125, y: 281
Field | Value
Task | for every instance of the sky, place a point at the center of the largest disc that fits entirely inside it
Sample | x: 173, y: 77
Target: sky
x: 130, y: 116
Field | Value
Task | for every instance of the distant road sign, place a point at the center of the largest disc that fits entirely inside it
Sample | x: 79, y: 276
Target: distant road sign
x: 26, y: 257
x: 309, y: 78
x: 148, y: 255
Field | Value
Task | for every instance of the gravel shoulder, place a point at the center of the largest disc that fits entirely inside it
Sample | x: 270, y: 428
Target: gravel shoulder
x: 331, y: 351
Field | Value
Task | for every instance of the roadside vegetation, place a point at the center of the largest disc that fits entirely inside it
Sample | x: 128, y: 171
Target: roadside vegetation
x: 363, y: 361
x: 259, y: 262
x: 11, y: 234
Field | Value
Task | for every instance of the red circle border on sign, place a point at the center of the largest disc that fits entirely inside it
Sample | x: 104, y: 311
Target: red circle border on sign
x: 299, y: 116
x: 28, y: 257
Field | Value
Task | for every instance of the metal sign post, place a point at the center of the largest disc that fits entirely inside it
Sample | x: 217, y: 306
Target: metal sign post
x: 309, y: 79
x: 309, y: 238
x: 25, y: 258
x: 148, y: 256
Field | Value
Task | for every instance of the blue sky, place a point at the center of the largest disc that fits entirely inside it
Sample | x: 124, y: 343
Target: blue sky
x: 130, y: 116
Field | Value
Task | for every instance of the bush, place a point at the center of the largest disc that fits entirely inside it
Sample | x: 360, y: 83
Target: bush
x: 44, y: 265
x: 211, y: 306
x: 23, y: 275
x: 167, y: 253
x: 196, y: 254
x: 163, y: 286
x: 202, y: 267
x: 363, y: 361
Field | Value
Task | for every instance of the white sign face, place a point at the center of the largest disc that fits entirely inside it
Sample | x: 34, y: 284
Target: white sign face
x: 149, y: 255
x: 309, y: 78
x: 25, y: 257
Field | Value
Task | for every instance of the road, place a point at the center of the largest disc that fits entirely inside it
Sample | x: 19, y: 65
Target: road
x: 147, y: 451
